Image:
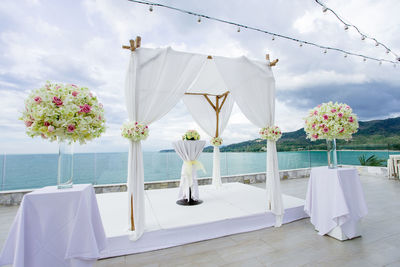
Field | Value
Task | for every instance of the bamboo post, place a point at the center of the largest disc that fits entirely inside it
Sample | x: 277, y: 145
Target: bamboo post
x: 132, y: 219
x: 217, y: 110
x: 271, y: 63
x: 133, y: 45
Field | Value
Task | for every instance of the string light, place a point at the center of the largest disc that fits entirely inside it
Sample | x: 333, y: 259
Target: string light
x: 346, y: 27
x: 301, y: 44
x: 273, y: 34
x: 364, y: 59
x: 345, y: 55
x: 151, y: 8
x: 238, y: 30
x: 199, y: 19
x: 380, y: 63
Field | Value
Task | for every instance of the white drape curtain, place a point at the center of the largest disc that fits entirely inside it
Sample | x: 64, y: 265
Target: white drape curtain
x: 253, y: 88
x: 156, y: 80
x: 209, y: 81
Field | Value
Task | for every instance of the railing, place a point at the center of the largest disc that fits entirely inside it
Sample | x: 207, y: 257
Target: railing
x: 38, y: 170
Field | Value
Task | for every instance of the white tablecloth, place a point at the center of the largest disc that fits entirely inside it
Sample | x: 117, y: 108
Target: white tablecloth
x: 188, y: 151
x: 335, y: 198
x: 56, y: 228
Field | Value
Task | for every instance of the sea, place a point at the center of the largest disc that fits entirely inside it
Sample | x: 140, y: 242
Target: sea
x: 30, y: 171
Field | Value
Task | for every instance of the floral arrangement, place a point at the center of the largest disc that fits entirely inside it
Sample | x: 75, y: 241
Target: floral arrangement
x: 135, y: 131
x: 191, y: 135
x: 216, y: 141
x: 273, y: 133
x: 331, y: 121
x: 63, y: 112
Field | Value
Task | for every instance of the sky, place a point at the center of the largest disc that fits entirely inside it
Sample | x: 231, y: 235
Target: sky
x: 80, y: 42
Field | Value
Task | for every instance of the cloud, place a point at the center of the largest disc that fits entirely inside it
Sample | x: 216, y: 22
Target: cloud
x: 80, y: 42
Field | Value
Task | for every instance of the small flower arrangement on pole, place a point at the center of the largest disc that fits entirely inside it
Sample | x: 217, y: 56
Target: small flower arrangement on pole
x: 273, y: 133
x: 331, y: 121
x: 191, y: 135
x: 216, y: 141
x: 63, y: 112
x: 135, y: 131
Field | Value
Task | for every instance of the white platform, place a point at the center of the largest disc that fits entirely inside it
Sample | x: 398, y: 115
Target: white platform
x: 236, y: 208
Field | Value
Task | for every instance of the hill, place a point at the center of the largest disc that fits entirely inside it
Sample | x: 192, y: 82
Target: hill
x: 375, y: 134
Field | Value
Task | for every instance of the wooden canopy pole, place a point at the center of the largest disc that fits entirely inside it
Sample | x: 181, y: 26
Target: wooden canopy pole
x: 133, y: 45
x: 271, y: 63
x: 217, y: 106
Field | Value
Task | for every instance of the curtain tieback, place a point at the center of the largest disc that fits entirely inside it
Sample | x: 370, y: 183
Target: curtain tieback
x: 188, y: 169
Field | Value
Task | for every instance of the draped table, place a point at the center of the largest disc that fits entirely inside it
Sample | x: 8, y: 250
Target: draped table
x: 335, y: 202
x: 189, y: 151
x: 56, y: 227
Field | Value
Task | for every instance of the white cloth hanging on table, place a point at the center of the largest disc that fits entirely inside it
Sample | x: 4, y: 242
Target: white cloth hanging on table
x: 252, y: 85
x: 156, y: 80
x: 204, y: 115
x: 189, y: 152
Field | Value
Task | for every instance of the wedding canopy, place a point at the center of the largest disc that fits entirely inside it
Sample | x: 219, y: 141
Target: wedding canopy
x: 157, y: 78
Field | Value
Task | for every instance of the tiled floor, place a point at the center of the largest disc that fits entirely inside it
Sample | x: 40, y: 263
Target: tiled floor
x: 294, y: 244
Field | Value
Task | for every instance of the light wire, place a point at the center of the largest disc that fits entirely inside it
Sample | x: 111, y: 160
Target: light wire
x: 260, y: 30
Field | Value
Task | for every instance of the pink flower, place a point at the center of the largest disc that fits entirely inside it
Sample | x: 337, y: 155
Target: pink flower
x: 319, y: 106
x: 90, y: 94
x: 351, y: 119
x: 333, y: 110
x: 326, y: 117
x: 321, y: 125
x: 43, y: 136
x: 28, y: 123
x: 146, y: 127
x: 85, y: 108
x: 38, y: 99
x: 75, y: 93
x: 142, y: 132
x: 46, y: 123
x: 340, y: 115
x: 136, y: 123
x: 313, y: 126
x: 73, y: 85
x: 101, y: 105
x: 99, y: 118
x: 58, y: 87
x: 347, y: 107
x: 315, y: 112
x: 57, y: 101
x: 315, y: 136
x: 326, y: 129
x: 50, y: 129
x: 341, y: 131
x: 71, y: 128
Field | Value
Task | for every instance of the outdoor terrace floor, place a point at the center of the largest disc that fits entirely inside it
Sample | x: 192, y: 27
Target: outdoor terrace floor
x: 293, y: 244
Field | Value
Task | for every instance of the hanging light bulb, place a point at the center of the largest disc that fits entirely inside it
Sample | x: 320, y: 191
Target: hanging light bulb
x: 325, y: 51
x: 151, y: 8
x: 364, y: 59
x: 238, y: 30
x: 346, y: 27
x: 301, y: 44
x: 387, y: 51
x: 376, y: 43
x: 324, y: 9
x: 345, y: 55
x: 380, y: 63
x: 199, y: 19
x: 273, y: 37
x: 362, y: 37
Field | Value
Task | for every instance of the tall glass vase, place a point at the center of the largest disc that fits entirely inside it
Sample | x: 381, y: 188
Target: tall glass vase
x: 65, y: 165
x: 332, y: 156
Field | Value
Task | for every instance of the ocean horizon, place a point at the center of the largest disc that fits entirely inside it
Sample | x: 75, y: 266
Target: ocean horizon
x: 29, y: 171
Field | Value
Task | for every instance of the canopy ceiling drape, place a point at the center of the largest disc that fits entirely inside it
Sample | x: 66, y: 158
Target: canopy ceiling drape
x: 158, y: 78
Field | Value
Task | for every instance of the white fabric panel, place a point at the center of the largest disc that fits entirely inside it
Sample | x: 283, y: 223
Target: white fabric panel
x: 335, y: 198
x: 56, y: 228
x: 216, y: 177
x: 253, y: 88
x: 156, y: 80
x: 210, y: 81
x: 189, y: 151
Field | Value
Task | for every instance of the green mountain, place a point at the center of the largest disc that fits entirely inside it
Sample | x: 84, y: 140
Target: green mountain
x: 372, y: 135
x: 376, y: 134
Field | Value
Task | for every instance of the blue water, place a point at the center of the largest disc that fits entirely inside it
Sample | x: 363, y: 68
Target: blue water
x: 38, y: 170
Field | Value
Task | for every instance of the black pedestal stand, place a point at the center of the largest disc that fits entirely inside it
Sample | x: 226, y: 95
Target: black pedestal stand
x: 190, y: 202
